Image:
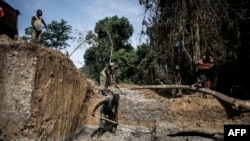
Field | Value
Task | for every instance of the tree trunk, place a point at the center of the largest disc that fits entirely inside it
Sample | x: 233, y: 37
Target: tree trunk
x: 236, y: 103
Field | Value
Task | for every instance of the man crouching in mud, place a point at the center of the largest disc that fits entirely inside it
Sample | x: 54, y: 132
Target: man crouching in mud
x: 107, y: 106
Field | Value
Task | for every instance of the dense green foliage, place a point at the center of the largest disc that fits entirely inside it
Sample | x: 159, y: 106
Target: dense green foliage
x: 111, y: 45
x: 127, y: 61
x: 56, y: 34
x: 114, y: 30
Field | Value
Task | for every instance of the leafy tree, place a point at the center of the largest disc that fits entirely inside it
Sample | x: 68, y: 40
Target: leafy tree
x: 127, y: 61
x: 27, y: 36
x: 92, y: 67
x: 56, y: 34
x: 112, y: 35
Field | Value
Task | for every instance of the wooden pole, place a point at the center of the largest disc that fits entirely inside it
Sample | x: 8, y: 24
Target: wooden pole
x: 114, y: 122
x: 236, y: 103
x: 120, y: 124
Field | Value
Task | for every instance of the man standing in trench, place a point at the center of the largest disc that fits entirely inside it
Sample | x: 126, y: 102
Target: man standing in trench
x: 109, y: 109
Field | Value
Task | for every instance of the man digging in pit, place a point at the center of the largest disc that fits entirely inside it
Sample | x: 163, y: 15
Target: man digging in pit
x: 109, y: 110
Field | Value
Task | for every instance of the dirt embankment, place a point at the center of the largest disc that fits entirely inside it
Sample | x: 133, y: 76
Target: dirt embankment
x: 42, y: 94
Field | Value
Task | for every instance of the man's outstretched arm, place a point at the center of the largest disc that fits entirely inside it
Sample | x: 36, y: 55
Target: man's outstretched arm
x: 96, y: 106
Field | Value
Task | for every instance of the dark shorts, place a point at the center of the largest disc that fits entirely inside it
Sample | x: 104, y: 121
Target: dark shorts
x: 109, y: 115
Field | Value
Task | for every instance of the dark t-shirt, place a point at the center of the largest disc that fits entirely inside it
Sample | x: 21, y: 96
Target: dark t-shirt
x: 107, y: 105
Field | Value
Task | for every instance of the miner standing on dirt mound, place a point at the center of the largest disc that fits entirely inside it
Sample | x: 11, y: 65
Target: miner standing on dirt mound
x: 36, y: 22
x: 109, y: 108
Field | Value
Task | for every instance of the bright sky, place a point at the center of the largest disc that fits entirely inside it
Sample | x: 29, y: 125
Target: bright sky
x: 81, y: 15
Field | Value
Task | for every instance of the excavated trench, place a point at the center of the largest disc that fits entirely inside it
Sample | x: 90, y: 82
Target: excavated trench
x: 154, y: 116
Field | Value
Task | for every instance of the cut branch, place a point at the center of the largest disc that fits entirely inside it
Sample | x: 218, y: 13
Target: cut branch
x: 111, y: 47
x: 78, y: 46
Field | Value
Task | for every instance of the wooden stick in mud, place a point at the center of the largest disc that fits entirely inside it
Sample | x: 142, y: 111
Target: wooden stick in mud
x: 119, y: 123
x: 114, y: 122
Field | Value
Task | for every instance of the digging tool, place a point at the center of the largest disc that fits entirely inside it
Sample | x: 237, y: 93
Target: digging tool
x: 153, y: 131
x: 114, y: 122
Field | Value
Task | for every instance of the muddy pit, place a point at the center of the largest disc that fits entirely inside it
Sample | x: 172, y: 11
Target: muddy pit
x: 142, y: 111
